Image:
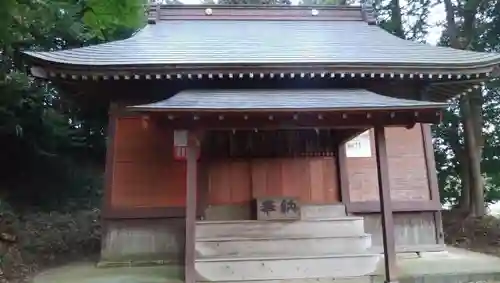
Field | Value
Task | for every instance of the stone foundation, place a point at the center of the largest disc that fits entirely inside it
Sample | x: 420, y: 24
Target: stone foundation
x: 413, y: 231
x: 143, y: 240
x: 161, y: 241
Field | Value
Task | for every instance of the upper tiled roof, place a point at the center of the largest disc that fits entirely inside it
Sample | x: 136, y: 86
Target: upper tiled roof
x: 348, y: 41
x: 261, y: 42
x: 283, y: 99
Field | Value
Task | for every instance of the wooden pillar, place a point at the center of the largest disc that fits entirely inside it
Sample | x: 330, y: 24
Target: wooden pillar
x: 110, y: 159
x: 385, y: 206
x: 343, y: 176
x: 191, y: 191
x: 432, y: 180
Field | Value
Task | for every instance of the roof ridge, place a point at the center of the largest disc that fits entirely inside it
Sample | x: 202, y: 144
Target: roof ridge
x: 162, y: 12
x: 260, y: 7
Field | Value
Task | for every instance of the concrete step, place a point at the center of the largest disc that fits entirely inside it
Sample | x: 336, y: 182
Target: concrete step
x: 322, y: 211
x: 334, y: 227
x: 357, y: 279
x: 272, y: 246
x: 282, y: 268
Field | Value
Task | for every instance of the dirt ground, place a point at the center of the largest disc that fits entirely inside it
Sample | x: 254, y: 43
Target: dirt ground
x: 475, y: 234
x: 36, y: 241
x: 45, y: 241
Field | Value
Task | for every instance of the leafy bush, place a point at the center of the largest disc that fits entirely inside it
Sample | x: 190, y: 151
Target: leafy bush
x: 37, y: 240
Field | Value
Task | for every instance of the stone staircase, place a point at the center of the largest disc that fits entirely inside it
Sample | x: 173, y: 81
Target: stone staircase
x: 324, y: 244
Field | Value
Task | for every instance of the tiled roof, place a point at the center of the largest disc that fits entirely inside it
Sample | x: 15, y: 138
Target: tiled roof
x: 337, y: 43
x: 283, y: 99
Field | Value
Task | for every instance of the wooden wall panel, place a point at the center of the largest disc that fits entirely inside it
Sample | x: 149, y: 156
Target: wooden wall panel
x: 229, y: 182
x: 144, y: 173
x: 241, y: 178
x: 313, y: 180
x: 293, y: 186
x: 274, y: 183
x: 259, y: 178
x: 407, y: 169
x: 408, y: 175
x: 414, y: 231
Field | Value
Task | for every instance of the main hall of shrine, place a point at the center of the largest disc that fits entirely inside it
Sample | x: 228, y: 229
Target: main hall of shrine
x: 267, y: 143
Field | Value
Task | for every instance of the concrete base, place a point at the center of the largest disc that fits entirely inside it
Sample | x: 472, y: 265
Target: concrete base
x: 282, y: 268
x: 453, y: 265
x: 322, y: 211
x: 335, y: 227
x: 269, y: 246
x: 282, y: 250
x: 143, y: 240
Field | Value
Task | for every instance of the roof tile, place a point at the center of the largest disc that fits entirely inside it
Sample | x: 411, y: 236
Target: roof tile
x: 283, y: 99
x: 178, y: 42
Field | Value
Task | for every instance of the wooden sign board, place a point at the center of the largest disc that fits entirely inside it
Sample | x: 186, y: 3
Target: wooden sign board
x: 278, y: 208
x: 181, y: 138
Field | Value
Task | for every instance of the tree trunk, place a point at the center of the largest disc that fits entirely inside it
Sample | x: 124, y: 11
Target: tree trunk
x: 396, y: 19
x: 474, y: 157
x: 464, y: 201
x: 470, y: 106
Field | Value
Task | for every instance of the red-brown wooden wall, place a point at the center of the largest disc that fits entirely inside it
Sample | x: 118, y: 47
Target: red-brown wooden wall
x: 310, y: 179
x: 145, y: 175
x: 144, y: 172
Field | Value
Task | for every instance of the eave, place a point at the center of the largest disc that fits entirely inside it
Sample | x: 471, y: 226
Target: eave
x: 289, y: 108
x: 316, y: 49
x: 47, y: 69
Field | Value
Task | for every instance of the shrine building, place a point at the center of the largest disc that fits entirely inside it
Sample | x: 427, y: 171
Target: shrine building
x: 267, y: 143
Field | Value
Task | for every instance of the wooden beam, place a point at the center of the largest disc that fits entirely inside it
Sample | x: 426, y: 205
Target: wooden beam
x: 285, y: 120
x: 432, y: 181
x: 397, y: 206
x: 203, y: 179
x: 346, y: 135
x: 389, y: 243
x: 430, y: 162
x: 110, y: 158
x: 191, y: 181
x: 180, y: 212
x: 343, y: 175
x: 144, y: 212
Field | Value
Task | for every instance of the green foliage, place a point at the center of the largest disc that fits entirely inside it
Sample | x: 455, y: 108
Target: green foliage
x: 50, y: 148
x: 254, y: 2
x: 409, y: 21
x: 449, y: 141
x: 324, y: 2
x: 101, y: 16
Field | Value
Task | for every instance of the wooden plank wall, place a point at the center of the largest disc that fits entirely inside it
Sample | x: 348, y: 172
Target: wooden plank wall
x: 407, y: 170
x: 145, y: 175
x: 144, y: 172
x: 310, y: 179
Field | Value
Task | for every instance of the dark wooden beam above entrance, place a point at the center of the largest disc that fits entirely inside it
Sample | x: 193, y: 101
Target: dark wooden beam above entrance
x: 284, y: 120
x: 290, y: 108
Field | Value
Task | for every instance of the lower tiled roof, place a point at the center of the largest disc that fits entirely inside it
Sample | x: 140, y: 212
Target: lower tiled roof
x: 283, y: 99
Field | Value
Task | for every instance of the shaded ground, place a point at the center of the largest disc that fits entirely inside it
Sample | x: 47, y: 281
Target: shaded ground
x: 475, y: 234
x: 88, y: 273
x: 35, y: 241
x: 38, y: 241
x: 453, y: 265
